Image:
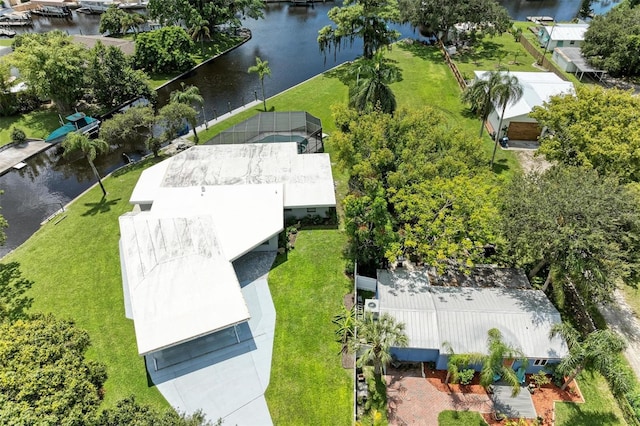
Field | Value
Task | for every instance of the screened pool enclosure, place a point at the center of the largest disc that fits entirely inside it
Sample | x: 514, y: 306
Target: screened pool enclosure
x: 274, y: 127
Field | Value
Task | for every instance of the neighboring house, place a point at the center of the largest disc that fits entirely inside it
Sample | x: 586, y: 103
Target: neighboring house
x: 194, y: 214
x: 462, y: 316
x: 561, y: 35
x: 537, y: 88
x: 570, y: 59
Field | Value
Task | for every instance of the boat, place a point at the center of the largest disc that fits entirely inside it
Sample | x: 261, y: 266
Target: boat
x: 52, y: 11
x: 5, y: 32
x: 77, y: 122
x: 95, y: 6
x: 133, y: 5
x: 16, y: 19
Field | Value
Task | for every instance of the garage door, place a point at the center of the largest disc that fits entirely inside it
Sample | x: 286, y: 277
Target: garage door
x: 523, y: 131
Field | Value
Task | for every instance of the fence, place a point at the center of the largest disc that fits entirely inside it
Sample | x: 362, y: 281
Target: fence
x: 546, y: 63
x: 456, y: 73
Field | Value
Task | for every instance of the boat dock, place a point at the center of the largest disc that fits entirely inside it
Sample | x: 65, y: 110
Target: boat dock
x: 12, y: 155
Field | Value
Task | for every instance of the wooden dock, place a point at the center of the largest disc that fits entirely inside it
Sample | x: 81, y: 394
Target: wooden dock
x: 13, y: 155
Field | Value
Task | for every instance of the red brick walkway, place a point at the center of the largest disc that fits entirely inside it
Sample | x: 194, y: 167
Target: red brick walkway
x: 413, y: 400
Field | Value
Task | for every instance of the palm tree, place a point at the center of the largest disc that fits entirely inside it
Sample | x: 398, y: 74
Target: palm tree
x: 375, y: 337
x: 371, y: 89
x: 345, y: 322
x: 131, y: 21
x: 200, y: 31
x: 478, y: 95
x: 188, y: 95
x: 493, y: 364
x: 89, y: 147
x: 507, y: 91
x: 598, y: 349
x: 262, y: 68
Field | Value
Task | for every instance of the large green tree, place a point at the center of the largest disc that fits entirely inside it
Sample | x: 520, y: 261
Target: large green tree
x: 371, y: 88
x: 90, y: 149
x: 52, y: 66
x: 111, y: 20
x: 173, y: 117
x: 439, y: 16
x: 167, y: 50
x: 417, y: 188
x: 374, y: 339
x: 129, y: 412
x: 44, y: 376
x: 612, y: 41
x: 596, y: 128
x: 112, y: 79
x: 573, y: 226
x: 361, y: 19
x: 132, y: 126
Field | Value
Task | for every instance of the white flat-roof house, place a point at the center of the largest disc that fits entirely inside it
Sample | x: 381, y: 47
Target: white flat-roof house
x: 194, y: 214
x: 561, y: 35
x: 537, y: 88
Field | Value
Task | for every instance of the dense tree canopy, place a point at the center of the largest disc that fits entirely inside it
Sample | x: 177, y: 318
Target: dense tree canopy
x: 574, y: 226
x: 612, y: 41
x: 597, y: 128
x: 111, y: 20
x: 44, y: 377
x: 166, y: 50
x: 52, y: 66
x: 132, y: 126
x: 112, y: 79
x: 439, y: 16
x: 217, y: 13
x: 361, y: 19
x: 417, y: 189
x: 130, y: 412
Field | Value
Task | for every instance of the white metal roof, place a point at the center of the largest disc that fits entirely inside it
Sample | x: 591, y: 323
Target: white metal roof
x: 209, y: 206
x: 462, y: 316
x: 570, y: 32
x: 307, y: 178
x: 537, y: 88
x: 181, y: 284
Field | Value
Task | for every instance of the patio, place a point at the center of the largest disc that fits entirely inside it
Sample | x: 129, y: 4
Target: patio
x: 520, y: 406
x: 413, y: 400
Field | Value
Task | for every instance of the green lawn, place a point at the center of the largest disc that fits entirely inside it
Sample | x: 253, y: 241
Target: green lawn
x: 308, y: 385
x: 75, y: 265
x: 600, y: 408
x: 36, y: 124
x: 460, y: 418
x: 5, y: 41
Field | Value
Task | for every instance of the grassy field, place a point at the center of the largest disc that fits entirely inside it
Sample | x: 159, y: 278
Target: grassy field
x: 36, y: 124
x: 75, y: 265
x: 308, y: 385
x: 5, y: 42
x: 600, y: 407
x: 460, y: 418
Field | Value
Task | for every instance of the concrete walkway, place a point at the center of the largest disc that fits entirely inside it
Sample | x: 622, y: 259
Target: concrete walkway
x: 13, y: 155
x: 520, y: 406
x: 413, y: 400
x: 622, y: 319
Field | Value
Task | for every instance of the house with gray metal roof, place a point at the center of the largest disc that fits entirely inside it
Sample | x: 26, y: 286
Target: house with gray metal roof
x: 462, y: 316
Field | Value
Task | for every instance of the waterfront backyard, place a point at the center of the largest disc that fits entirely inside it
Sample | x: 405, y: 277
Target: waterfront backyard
x: 81, y: 280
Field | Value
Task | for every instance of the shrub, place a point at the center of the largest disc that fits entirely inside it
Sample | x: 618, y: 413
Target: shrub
x: 540, y: 378
x: 17, y: 135
x: 466, y: 376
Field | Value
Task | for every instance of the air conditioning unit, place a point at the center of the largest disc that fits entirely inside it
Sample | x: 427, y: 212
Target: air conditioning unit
x: 372, y: 305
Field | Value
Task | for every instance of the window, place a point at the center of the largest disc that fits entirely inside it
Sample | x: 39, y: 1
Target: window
x: 572, y: 42
x: 540, y: 362
x: 311, y: 210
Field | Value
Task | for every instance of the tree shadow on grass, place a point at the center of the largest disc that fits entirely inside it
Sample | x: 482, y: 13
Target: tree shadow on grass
x: 577, y: 416
x: 484, y: 51
x: 347, y: 74
x: 430, y: 53
x: 102, y: 206
x: 500, y: 166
